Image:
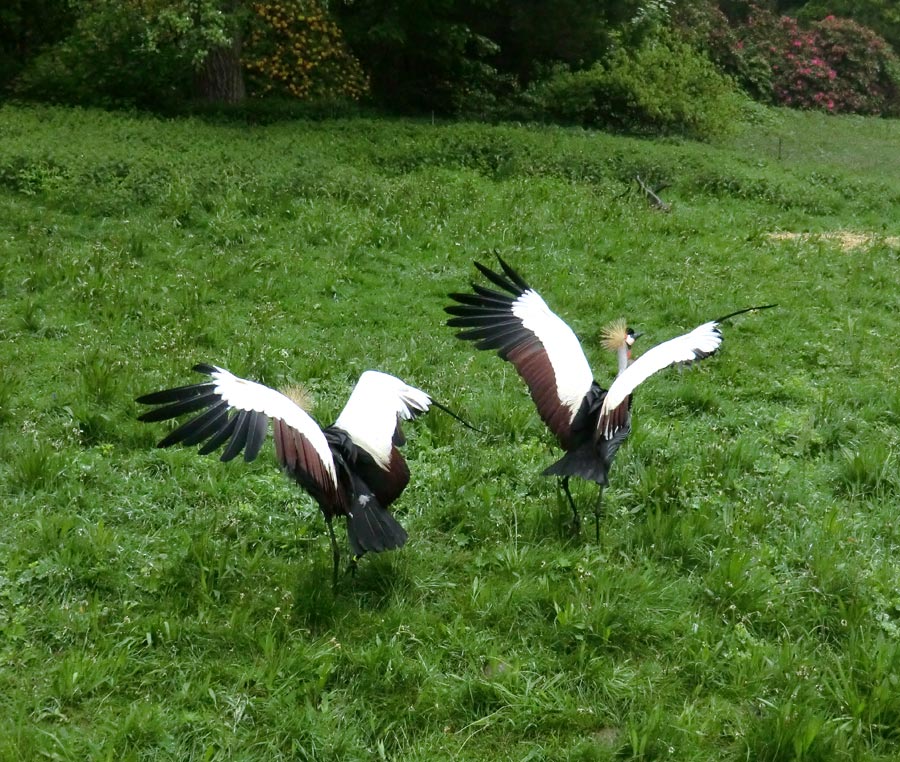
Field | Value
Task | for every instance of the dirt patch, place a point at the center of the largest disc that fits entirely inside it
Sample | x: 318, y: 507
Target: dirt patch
x: 846, y: 239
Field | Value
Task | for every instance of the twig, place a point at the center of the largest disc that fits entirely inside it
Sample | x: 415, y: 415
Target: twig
x: 654, y: 200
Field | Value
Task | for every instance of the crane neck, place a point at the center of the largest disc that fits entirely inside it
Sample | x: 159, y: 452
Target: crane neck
x: 623, y: 354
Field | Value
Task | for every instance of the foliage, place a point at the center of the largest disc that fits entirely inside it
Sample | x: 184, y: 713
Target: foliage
x: 158, y: 605
x: 421, y: 55
x: 142, y: 53
x: 706, y: 26
x: 475, y: 56
x: 867, y: 72
x: 662, y: 86
x: 296, y: 50
x: 191, y: 28
x: 107, y: 59
x: 881, y: 16
x: 26, y: 27
x: 835, y: 64
x: 533, y: 35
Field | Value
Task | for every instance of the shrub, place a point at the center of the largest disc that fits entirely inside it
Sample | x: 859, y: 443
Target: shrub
x: 707, y: 27
x: 27, y: 27
x: 569, y: 96
x: 881, y: 16
x: 295, y: 50
x: 662, y: 86
x: 835, y: 65
x: 105, y: 61
x: 867, y: 72
x: 421, y: 54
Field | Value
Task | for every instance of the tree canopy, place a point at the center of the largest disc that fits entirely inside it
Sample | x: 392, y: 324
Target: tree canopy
x: 583, y: 60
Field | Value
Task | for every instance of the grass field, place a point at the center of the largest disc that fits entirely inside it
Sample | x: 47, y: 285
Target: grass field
x: 743, y: 600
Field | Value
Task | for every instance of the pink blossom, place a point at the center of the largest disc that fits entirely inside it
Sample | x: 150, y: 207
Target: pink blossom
x: 830, y: 103
x: 832, y: 74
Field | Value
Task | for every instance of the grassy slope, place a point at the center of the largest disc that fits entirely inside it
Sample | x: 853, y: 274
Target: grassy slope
x: 742, y: 602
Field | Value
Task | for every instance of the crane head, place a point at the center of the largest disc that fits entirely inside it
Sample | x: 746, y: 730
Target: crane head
x: 617, y: 335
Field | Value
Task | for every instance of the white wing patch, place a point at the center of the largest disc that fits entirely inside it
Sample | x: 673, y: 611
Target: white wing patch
x: 376, y: 404
x: 570, y: 366
x: 249, y: 395
x: 699, y: 343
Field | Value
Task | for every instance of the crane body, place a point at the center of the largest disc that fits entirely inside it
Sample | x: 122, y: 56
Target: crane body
x: 589, y: 421
x: 352, y: 468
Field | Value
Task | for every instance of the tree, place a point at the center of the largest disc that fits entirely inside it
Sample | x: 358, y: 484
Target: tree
x: 444, y: 55
x: 27, y: 27
x: 144, y: 52
x: 420, y: 54
x: 206, y: 33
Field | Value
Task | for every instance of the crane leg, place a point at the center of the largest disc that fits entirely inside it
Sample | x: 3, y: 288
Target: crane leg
x: 335, y: 554
x: 598, y: 514
x: 576, y: 519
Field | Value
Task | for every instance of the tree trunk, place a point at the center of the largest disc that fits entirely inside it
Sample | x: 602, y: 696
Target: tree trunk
x: 221, y: 78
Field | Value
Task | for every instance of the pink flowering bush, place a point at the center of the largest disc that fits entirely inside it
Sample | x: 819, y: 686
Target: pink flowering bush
x: 865, y: 74
x: 835, y: 64
x: 801, y: 74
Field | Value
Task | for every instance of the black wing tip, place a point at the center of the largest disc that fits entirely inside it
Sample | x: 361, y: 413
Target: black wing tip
x: 176, y: 394
x: 452, y: 414
x: 179, y: 392
x: 509, y: 279
x: 449, y: 309
x: 485, y: 270
x: 513, y: 275
x: 502, y: 280
x: 746, y: 309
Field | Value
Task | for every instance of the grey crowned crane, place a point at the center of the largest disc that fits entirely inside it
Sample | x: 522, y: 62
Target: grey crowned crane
x: 352, y: 468
x: 589, y: 422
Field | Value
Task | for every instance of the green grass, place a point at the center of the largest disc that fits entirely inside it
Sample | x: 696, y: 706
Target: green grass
x: 742, y: 602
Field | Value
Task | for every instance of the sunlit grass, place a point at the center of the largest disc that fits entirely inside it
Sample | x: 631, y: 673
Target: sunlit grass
x: 742, y: 600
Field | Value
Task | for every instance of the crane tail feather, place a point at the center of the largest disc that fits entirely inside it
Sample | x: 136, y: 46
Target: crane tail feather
x: 371, y: 527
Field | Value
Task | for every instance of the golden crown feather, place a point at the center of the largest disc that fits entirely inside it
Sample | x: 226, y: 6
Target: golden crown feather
x: 614, y: 335
x: 299, y: 396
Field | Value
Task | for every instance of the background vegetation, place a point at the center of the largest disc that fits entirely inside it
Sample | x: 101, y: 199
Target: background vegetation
x: 742, y: 601
x: 639, y: 66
